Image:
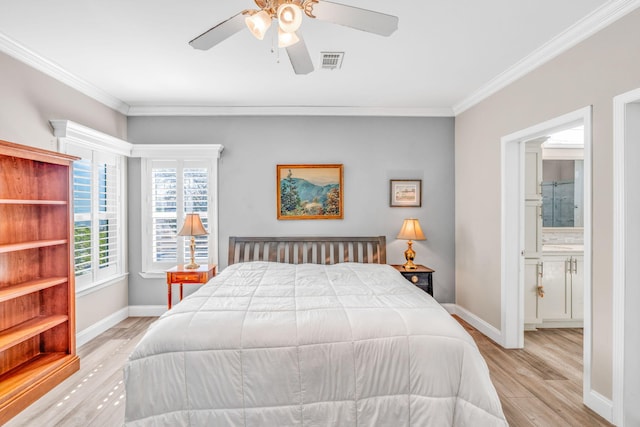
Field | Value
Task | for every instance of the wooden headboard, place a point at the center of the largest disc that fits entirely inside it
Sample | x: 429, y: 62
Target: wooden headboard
x: 312, y: 250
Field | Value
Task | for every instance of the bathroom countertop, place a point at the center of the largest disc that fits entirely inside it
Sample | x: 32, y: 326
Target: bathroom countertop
x: 562, y: 248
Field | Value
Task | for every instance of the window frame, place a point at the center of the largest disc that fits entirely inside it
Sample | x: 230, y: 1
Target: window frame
x: 96, y: 159
x: 202, y: 154
x: 98, y: 148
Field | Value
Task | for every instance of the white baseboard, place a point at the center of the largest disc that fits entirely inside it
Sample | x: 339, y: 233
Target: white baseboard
x: 488, y: 330
x: 110, y: 321
x: 561, y: 324
x: 101, y: 326
x: 599, y: 404
x: 147, y: 310
x: 451, y: 308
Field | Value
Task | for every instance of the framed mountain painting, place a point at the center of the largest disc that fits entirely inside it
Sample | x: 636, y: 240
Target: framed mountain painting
x: 309, y: 191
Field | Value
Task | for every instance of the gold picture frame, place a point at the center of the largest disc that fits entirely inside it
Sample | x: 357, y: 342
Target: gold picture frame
x: 310, y: 191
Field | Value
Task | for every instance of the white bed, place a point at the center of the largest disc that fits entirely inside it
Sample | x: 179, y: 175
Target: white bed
x: 275, y: 344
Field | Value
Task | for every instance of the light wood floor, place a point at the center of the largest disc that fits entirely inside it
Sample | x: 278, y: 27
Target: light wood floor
x: 538, y: 386
x: 93, y: 396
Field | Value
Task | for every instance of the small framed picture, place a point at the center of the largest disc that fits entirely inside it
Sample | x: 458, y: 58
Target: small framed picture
x: 405, y: 193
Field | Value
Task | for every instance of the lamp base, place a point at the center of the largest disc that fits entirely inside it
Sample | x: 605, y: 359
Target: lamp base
x: 409, y: 266
x: 192, y: 247
x: 192, y: 266
x: 409, y: 255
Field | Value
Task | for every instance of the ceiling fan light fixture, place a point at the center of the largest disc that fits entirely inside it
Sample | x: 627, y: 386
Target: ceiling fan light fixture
x: 258, y: 24
x: 287, y: 39
x: 289, y: 17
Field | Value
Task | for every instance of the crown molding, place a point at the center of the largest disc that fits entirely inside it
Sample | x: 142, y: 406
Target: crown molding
x: 151, y: 110
x: 591, y: 24
x: 71, y: 132
x: 29, y: 57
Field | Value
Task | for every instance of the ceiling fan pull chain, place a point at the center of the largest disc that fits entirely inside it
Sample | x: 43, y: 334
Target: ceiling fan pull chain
x: 277, y: 56
x: 273, y: 46
x: 273, y: 42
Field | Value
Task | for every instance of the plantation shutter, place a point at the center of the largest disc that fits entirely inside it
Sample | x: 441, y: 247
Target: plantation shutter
x: 164, y: 184
x: 178, y: 187
x: 106, y: 240
x: 196, y: 200
x: 82, y: 224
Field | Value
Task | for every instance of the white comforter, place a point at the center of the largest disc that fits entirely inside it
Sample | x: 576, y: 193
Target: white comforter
x: 266, y: 344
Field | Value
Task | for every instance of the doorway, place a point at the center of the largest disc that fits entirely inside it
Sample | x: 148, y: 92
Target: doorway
x: 513, y: 224
x: 626, y: 254
x: 554, y: 230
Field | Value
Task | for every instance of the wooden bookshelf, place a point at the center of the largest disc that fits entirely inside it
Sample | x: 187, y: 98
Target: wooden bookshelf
x: 37, y: 291
x: 32, y: 202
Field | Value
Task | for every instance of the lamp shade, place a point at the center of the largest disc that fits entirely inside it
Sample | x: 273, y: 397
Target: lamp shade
x: 289, y: 17
x: 192, y: 226
x: 411, y: 230
x: 258, y: 24
x: 286, y: 39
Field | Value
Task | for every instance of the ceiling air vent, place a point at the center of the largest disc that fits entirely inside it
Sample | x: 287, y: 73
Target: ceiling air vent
x: 331, y: 60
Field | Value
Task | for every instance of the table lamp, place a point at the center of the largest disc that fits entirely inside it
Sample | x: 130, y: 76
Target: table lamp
x: 410, y: 231
x: 192, y: 227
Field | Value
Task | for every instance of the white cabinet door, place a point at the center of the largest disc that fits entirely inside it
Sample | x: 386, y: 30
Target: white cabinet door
x: 531, y: 282
x: 532, y: 229
x: 556, y: 303
x: 533, y: 170
x: 577, y: 288
x: 533, y: 200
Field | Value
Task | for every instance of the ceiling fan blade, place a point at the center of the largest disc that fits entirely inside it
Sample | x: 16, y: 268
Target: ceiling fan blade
x: 354, y: 17
x: 299, y: 57
x: 219, y: 33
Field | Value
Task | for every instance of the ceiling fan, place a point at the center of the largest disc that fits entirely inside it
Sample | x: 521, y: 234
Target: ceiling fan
x: 289, y: 16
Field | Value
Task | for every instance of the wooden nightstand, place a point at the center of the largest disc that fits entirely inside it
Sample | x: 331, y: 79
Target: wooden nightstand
x: 180, y: 275
x: 422, y: 277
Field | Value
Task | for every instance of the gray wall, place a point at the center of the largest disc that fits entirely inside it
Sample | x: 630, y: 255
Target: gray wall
x: 372, y: 150
x: 28, y: 100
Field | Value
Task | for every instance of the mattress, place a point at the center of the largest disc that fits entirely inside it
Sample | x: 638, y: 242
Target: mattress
x: 268, y: 344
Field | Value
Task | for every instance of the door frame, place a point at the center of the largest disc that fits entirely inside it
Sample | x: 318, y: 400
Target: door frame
x: 624, y: 247
x: 512, y: 223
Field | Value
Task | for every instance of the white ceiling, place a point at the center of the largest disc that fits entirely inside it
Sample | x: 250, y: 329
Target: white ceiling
x: 446, y: 55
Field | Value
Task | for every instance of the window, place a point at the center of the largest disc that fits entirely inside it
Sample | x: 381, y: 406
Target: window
x: 171, y: 189
x: 97, y: 181
x: 98, y: 203
x: 177, y: 187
